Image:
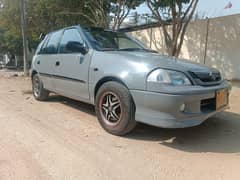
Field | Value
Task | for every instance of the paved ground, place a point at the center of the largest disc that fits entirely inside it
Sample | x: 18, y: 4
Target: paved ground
x: 62, y: 140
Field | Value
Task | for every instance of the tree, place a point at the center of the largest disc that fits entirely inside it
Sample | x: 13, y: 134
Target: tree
x: 49, y: 15
x: 177, y: 13
x: 24, y: 37
x: 10, y: 43
x: 10, y: 31
x: 88, y: 13
x: 91, y: 12
x: 97, y: 12
x: 120, y: 9
x: 100, y: 13
x: 44, y: 16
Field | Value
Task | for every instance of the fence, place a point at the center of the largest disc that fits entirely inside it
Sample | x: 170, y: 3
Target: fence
x: 214, y: 42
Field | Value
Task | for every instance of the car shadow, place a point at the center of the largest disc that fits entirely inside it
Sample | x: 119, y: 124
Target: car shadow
x: 84, y: 107
x: 220, y: 134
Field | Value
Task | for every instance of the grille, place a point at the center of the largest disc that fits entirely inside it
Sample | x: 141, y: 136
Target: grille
x: 207, y: 78
x: 208, y: 105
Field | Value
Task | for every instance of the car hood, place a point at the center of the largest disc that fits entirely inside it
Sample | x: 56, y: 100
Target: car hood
x: 154, y: 60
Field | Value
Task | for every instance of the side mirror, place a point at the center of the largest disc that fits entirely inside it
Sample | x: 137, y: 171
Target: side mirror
x: 76, y: 47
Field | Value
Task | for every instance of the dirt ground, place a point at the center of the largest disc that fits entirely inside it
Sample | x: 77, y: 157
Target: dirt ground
x: 61, y: 140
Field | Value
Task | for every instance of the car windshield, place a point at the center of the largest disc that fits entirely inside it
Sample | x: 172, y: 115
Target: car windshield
x: 113, y: 41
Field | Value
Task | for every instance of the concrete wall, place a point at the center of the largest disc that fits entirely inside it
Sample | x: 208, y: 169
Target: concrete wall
x: 223, y: 45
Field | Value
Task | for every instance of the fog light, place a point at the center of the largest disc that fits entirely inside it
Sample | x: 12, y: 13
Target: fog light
x: 182, y: 107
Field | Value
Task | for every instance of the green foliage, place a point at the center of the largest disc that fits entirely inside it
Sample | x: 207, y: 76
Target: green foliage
x: 10, y: 31
x: 120, y: 9
x: 168, y: 3
x: 49, y: 15
x: 10, y: 42
x: 131, y: 4
x: 43, y: 16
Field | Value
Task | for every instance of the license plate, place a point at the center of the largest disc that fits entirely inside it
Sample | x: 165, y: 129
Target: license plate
x: 221, y: 99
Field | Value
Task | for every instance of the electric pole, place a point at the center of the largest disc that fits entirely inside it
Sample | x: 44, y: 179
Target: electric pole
x: 24, y: 36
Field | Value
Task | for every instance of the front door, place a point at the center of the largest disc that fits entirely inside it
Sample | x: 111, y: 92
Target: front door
x: 72, y: 68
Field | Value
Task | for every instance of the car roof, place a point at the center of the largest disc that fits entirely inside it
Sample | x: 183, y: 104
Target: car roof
x: 77, y: 26
x: 85, y: 27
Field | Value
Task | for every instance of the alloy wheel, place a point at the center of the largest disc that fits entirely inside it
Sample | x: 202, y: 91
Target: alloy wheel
x: 36, y: 86
x: 110, y: 108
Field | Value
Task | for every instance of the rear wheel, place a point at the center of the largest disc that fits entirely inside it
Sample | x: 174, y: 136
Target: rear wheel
x: 115, y: 108
x: 39, y: 92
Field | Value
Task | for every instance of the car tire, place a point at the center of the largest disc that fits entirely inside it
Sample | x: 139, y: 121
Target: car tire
x: 115, y: 108
x: 38, y: 90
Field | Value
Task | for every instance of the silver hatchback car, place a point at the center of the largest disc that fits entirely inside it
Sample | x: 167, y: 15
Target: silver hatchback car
x: 127, y: 82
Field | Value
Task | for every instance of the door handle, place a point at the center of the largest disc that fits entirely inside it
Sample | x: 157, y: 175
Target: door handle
x: 95, y: 69
x: 57, y: 63
x: 38, y: 62
x: 81, y: 59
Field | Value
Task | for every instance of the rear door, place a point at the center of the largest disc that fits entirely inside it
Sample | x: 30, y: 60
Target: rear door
x: 45, y: 61
x: 73, y: 67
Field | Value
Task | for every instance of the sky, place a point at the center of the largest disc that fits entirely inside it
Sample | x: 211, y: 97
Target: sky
x: 210, y: 8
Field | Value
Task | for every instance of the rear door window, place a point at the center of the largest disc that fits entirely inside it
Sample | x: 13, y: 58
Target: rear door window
x: 53, y: 43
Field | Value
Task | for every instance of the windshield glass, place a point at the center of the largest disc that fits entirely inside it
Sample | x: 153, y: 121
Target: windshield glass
x: 112, y: 41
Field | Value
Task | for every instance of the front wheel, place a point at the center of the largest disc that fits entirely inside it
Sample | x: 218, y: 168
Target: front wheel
x: 115, y: 108
x: 39, y: 92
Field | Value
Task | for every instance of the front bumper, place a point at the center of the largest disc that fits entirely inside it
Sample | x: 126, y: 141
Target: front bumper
x: 164, y: 110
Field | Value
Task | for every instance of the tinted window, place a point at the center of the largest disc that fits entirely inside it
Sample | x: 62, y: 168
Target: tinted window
x: 70, y: 35
x: 53, y: 42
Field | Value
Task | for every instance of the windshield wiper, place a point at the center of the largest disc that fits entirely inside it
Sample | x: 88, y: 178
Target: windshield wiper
x: 107, y: 49
x: 131, y: 49
x: 138, y: 49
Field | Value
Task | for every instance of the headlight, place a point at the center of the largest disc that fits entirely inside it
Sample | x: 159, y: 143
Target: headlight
x: 169, y: 77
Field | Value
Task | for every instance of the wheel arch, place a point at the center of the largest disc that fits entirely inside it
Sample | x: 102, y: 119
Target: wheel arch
x: 33, y: 73
x: 108, y: 79
x: 105, y: 80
